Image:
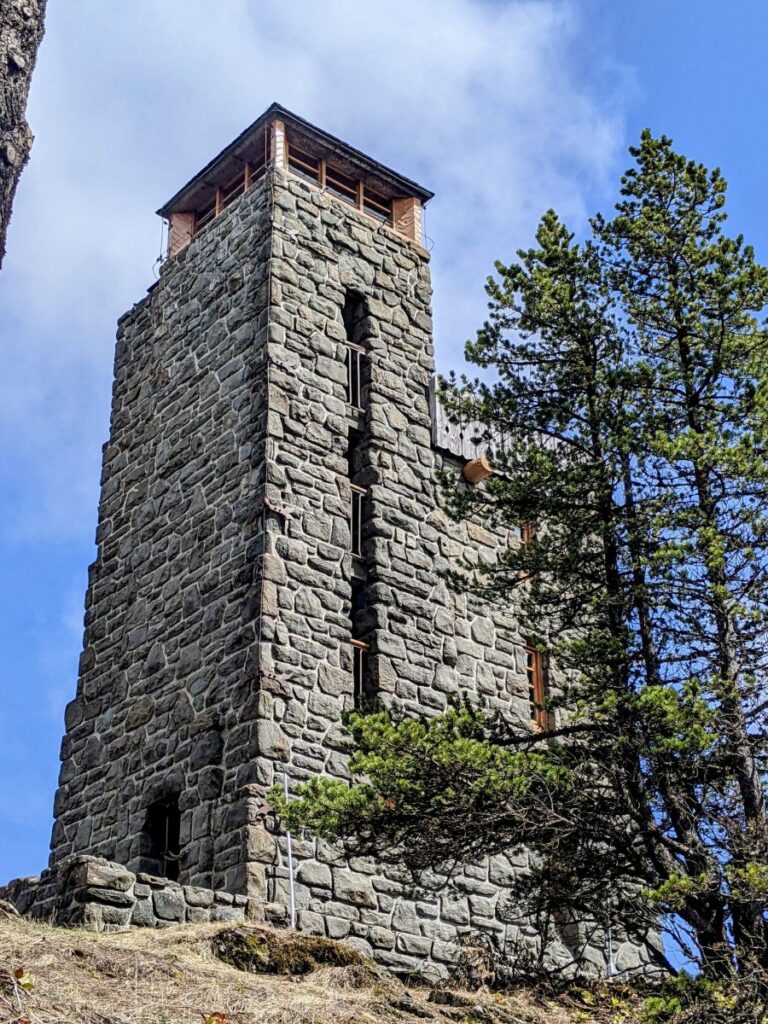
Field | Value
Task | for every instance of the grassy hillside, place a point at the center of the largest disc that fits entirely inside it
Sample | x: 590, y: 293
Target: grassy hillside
x: 177, y: 976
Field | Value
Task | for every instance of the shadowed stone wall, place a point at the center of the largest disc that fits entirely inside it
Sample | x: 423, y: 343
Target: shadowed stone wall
x: 168, y: 684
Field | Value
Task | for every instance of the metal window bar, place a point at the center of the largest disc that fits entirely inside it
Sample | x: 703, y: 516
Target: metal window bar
x: 162, y: 828
x: 355, y: 363
x: 356, y: 519
x: 169, y: 858
x: 359, y: 656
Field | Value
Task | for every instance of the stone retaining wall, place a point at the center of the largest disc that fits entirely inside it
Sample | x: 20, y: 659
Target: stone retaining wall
x: 99, y: 895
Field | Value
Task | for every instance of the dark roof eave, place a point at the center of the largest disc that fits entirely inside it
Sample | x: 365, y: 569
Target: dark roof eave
x: 392, y: 177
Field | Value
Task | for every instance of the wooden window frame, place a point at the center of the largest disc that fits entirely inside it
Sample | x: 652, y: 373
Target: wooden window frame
x: 296, y: 157
x: 376, y: 205
x: 205, y: 215
x: 526, y: 533
x: 225, y: 195
x: 233, y: 189
x: 537, y: 689
x: 341, y: 186
x: 352, y: 191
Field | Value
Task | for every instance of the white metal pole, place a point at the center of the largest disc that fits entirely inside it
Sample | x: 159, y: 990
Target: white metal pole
x: 291, y: 890
x: 609, y: 942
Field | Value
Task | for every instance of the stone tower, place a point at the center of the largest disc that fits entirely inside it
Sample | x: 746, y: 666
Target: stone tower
x: 270, y: 545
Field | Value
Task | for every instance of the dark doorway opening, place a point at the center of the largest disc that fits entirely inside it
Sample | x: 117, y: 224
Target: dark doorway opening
x: 162, y: 834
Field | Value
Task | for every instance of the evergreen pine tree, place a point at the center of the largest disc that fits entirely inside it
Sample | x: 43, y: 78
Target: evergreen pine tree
x: 627, y: 419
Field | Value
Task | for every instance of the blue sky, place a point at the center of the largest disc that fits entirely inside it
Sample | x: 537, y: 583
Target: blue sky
x: 503, y: 108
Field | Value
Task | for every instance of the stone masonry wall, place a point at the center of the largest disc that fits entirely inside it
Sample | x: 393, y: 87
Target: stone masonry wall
x: 168, y: 677
x: 217, y: 654
x: 427, y: 644
x: 98, y: 895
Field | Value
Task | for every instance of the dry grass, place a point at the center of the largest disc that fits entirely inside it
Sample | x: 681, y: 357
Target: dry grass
x: 170, y: 976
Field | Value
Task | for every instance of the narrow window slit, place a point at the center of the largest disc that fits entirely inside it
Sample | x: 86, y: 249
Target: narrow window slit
x: 359, y: 670
x: 355, y: 442
x: 354, y: 315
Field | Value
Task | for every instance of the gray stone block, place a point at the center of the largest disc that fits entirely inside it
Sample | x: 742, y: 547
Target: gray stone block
x: 109, y: 897
x: 351, y: 888
x: 169, y: 904
x: 102, y: 874
x: 337, y: 927
x: 142, y: 914
x: 415, y: 945
x: 405, y: 917
x: 118, y: 917
x: 198, y: 915
x: 309, y: 922
x: 314, y: 874
x: 222, y: 913
x: 197, y: 897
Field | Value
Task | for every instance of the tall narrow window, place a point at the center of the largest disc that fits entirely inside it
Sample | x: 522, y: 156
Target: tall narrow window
x: 354, y: 314
x: 359, y: 670
x: 357, y: 497
x: 361, y: 687
x: 525, y: 533
x: 537, y: 693
x: 162, y: 831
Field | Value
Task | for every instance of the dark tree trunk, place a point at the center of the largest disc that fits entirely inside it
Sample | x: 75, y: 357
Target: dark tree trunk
x: 21, y: 29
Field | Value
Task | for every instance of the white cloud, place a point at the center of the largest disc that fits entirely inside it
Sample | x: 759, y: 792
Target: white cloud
x: 481, y: 101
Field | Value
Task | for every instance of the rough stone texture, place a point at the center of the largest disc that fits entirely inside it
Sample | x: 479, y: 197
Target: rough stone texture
x: 168, y: 687
x: 64, y: 895
x: 217, y: 651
